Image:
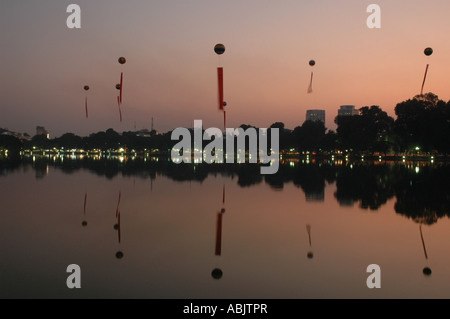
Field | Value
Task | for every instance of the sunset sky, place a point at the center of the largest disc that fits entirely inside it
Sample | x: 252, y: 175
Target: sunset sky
x: 171, y: 75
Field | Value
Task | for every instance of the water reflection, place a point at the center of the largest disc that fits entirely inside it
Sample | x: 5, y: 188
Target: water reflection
x: 310, y: 253
x: 119, y: 253
x: 421, y: 189
x: 180, y: 216
x: 217, y: 272
x: 427, y: 269
x: 84, y: 222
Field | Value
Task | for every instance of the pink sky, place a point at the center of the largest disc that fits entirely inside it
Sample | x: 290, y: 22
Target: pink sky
x: 170, y: 73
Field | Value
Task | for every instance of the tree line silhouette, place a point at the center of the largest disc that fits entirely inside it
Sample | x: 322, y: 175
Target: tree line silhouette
x: 422, y: 123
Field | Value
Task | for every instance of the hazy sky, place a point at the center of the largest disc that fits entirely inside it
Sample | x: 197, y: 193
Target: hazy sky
x: 171, y: 74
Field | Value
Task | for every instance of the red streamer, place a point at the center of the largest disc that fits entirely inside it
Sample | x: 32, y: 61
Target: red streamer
x: 85, y: 199
x: 310, y: 84
x: 118, y: 222
x: 220, y: 80
x: 118, y: 202
x: 85, y: 106
x: 121, y: 85
x: 218, y: 234
x: 424, y: 77
x: 120, y: 111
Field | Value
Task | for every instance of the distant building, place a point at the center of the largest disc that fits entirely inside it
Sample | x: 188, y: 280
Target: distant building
x: 315, y: 196
x: 144, y: 133
x: 20, y: 136
x: 40, y: 130
x: 315, y: 115
x: 347, y: 110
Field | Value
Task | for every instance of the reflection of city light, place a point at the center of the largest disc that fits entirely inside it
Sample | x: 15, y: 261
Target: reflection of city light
x: 291, y: 164
x: 417, y: 169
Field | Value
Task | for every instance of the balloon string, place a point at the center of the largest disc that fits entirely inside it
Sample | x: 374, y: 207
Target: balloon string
x: 424, y: 77
x: 310, y: 84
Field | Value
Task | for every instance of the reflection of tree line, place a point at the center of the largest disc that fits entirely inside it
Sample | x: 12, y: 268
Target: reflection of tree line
x: 422, y: 192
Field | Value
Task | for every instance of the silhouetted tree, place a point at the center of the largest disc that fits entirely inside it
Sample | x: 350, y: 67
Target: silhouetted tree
x: 309, y: 136
x: 369, y: 131
x: 11, y: 143
x: 423, y: 122
x: 68, y: 140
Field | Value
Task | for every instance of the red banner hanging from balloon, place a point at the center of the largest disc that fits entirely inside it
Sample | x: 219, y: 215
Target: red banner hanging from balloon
x: 120, y: 111
x: 85, y: 106
x: 220, y: 81
x: 121, y: 86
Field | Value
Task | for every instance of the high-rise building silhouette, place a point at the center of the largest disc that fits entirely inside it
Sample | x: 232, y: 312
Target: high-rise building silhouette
x: 40, y: 130
x: 347, y: 110
x: 315, y: 115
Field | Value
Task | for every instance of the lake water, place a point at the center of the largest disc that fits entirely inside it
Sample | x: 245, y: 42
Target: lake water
x: 153, y: 229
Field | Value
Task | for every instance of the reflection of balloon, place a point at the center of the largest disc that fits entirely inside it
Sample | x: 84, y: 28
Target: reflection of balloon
x: 427, y: 271
x: 219, y: 48
x: 86, y: 87
x: 119, y: 255
x: 312, y: 62
x: 217, y: 273
x: 310, y: 254
x: 428, y: 51
x: 122, y: 60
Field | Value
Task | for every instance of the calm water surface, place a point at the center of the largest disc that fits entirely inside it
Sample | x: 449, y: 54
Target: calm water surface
x: 158, y: 230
